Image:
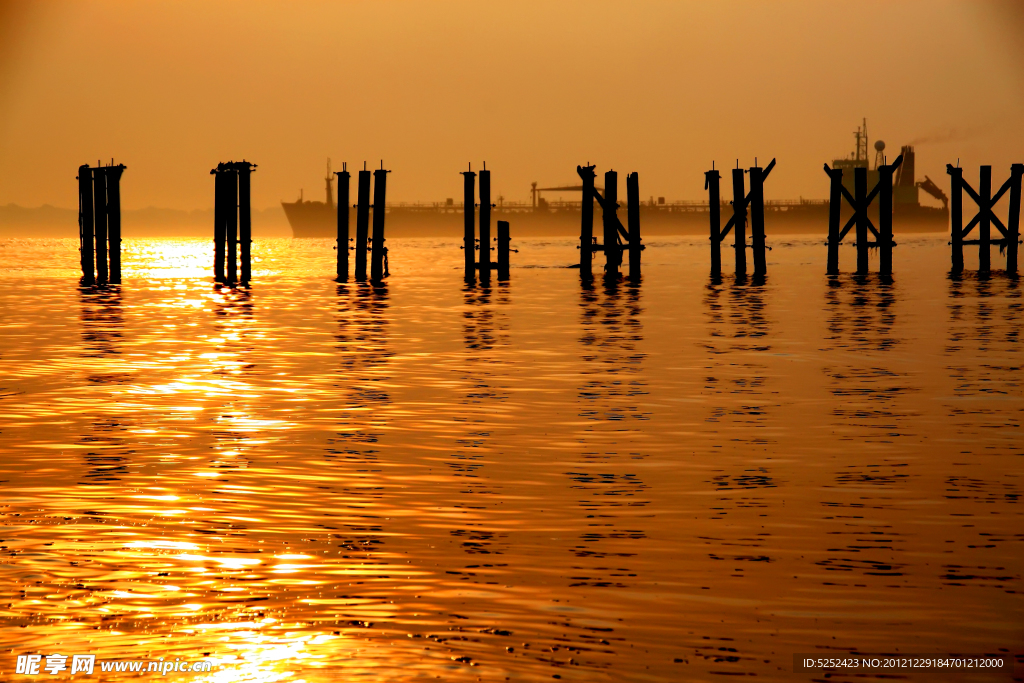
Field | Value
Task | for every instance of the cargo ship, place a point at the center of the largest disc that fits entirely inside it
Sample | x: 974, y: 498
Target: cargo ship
x: 541, y: 217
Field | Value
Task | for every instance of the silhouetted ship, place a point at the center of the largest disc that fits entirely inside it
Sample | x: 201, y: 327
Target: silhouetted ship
x: 314, y: 219
x: 907, y: 211
x: 543, y: 217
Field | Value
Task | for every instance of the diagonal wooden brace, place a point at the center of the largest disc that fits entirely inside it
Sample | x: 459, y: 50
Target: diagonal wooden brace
x: 970, y: 226
x: 1002, y: 190
x: 872, y: 228
x: 998, y: 223
x: 849, y: 226
x: 970, y: 190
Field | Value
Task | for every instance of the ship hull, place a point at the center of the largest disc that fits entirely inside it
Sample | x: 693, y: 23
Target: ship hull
x: 318, y: 220
x: 311, y: 219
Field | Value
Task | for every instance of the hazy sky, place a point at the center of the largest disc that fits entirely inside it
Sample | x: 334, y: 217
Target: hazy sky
x: 533, y: 88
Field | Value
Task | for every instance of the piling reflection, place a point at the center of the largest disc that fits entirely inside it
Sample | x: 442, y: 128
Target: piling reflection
x: 361, y: 375
x: 984, y: 363
x: 102, y: 321
x: 105, y: 443
x: 983, y: 355
x: 611, y: 334
x: 741, y: 398
x: 873, y: 414
x: 484, y: 323
x: 231, y: 365
x: 870, y: 392
x: 234, y: 332
x: 482, y: 374
x: 611, y: 492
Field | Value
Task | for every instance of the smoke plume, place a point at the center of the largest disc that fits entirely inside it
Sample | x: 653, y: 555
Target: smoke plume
x: 955, y: 134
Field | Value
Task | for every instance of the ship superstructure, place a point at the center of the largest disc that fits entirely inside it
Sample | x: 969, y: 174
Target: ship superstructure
x: 907, y: 206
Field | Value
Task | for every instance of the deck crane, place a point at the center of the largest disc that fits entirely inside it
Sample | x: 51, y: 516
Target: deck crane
x: 929, y: 186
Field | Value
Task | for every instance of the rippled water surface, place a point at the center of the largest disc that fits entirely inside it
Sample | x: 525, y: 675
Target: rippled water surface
x: 670, y: 480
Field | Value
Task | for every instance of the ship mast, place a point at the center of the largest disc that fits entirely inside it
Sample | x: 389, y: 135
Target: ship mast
x: 328, y: 179
x: 861, y: 153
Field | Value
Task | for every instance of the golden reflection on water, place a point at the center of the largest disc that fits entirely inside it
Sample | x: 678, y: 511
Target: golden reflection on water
x: 673, y: 479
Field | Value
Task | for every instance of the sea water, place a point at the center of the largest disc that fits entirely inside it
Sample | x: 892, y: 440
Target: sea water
x: 665, y: 480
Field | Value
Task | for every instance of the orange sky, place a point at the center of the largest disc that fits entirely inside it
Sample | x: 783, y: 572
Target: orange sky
x: 533, y: 88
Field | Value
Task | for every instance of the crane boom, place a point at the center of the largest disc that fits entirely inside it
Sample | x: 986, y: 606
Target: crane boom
x: 929, y: 186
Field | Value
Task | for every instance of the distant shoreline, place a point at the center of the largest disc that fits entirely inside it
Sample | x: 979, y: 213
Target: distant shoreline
x: 53, y: 221
x: 50, y: 222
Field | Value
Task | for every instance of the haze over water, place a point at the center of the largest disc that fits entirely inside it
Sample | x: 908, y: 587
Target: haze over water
x: 671, y: 480
x: 172, y: 87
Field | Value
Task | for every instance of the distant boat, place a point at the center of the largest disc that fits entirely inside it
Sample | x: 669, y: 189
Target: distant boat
x: 562, y: 217
x: 314, y: 219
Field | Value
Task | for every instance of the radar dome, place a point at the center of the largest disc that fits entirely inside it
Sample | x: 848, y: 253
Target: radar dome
x: 879, y: 145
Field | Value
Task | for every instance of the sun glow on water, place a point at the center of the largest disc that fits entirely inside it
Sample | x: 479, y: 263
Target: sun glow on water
x: 320, y: 481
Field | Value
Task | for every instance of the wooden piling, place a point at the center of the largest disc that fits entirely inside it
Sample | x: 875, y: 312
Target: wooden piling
x: 362, y: 222
x: 612, y: 252
x: 380, y: 188
x: 835, y: 199
x: 885, y: 173
x: 99, y: 189
x: 1013, y: 218
x: 231, y: 222
x: 219, y: 221
x: 485, y: 225
x: 712, y: 179
x: 985, y: 224
x: 587, y: 175
x: 114, y: 220
x: 956, y: 216
x: 757, y: 236
x: 245, y: 219
x: 504, y: 247
x: 85, y: 224
x: 469, y: 231
x: 633, y: 223
x: 739, y: 212
x: 860, y: 192
x: 343, y: 214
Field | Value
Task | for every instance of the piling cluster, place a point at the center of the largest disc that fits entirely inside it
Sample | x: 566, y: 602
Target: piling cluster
x: 99, y: 222
x: 985, y: 218
x: 471, y: 245
x: 364, y: 243
x: 741, y: 201
x: 232, y: 222
x: 860, y: 201
x: 617, y: 238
